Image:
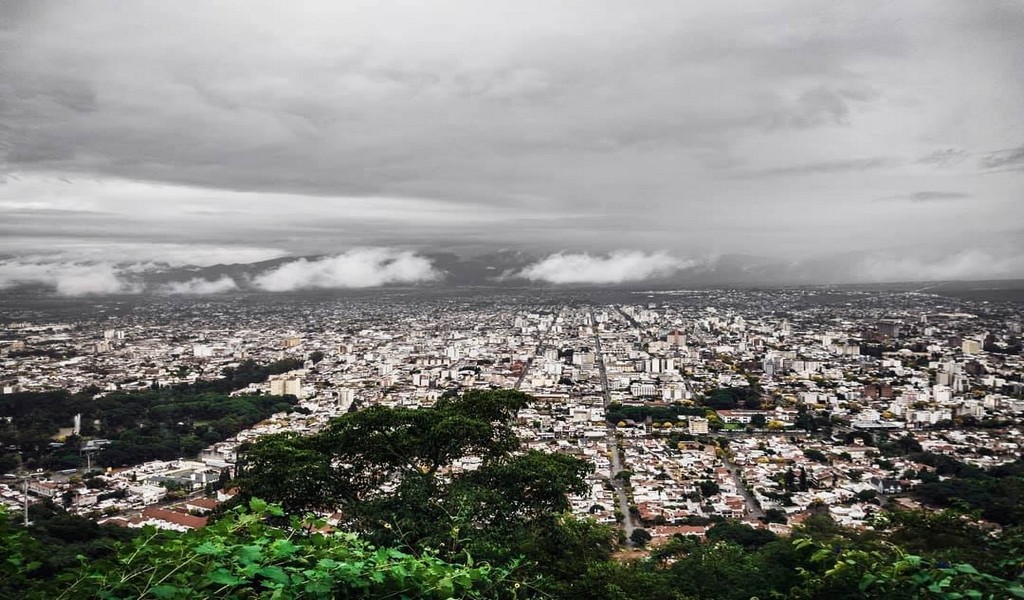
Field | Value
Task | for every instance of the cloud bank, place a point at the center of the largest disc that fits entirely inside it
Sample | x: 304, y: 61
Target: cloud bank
x: 969, y: 264
x: 618, y: 267
x: 200, y: 286
x: 68, y: 278
x: 357, y: 268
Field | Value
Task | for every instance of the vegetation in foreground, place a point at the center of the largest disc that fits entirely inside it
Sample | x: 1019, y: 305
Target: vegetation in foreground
x: 412, y: 527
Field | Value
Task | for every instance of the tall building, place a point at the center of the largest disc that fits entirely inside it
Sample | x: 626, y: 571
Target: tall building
x: 287, y: 386
x: 970, y: 346
x: 698, y: 426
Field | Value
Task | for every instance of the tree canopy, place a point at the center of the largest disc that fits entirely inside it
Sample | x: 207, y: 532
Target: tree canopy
x: 451, y: 477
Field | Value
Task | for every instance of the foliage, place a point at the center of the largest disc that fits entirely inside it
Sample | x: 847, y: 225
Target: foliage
x: 640, y: 537
x: 418, y: 524
x: 390, y: 470
x: 160, y: 424
x: 889, y: 572
x: 55, y: 542
x: 997, y: 493
x: 816, y: 455
x: 616, y: 412
x: 242, y: 556
x: 740, y: 534
x: 734, y: 397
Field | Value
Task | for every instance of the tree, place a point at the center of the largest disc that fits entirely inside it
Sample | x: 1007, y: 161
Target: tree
x: 816, y: 455
x: 386, y: 469
x: 708, y: 488
x: 741, y: 534
x: 640, y: 537
x: 789, y: 480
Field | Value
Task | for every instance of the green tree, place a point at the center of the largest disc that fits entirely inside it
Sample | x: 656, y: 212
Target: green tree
x: 640, y: 537
x: 389, y: 471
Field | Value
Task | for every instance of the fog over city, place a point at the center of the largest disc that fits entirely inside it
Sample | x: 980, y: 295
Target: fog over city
x: 353, y: 145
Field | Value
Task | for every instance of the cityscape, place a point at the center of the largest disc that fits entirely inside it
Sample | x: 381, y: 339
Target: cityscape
x: 688, y: 405
x: 495, y: 300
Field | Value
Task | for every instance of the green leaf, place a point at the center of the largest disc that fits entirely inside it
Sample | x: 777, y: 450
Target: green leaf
x: 257, y: 505
x: 283, y: 548
x: 866, y: 581
x: 164, y: 591
x: 222, y: 576
x: 275, y: 574
x: 965, y: 568
x: 446, y: 587
x: 319, y: 587
x: 250, y: 554
x: 209, y: 548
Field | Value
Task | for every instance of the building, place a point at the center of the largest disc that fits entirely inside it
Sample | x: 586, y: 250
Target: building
x: 286, y: 386
x: 698, y: 426
x: 161, y: 518
x: 970, y: 347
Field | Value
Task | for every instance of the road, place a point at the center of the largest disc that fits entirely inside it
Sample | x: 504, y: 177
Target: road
x: 753, y: 508
x: 628, y: 524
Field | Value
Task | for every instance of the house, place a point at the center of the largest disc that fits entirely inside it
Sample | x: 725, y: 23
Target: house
x: 886, y: 485
x: 161, y: 518
x: 201, y: 505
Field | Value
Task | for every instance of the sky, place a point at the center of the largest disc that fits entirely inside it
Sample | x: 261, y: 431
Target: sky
x: 615, y: 141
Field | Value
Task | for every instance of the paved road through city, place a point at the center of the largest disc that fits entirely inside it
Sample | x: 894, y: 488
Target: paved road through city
x: 628, y: 525
x: 753, y: 508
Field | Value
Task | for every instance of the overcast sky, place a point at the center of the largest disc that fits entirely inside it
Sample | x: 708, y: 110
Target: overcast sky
x: 677, y: 130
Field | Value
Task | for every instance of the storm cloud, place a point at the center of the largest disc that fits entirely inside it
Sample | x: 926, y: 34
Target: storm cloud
x: 576, y: 127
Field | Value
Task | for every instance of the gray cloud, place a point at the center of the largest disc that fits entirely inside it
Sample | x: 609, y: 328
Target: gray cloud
x: 583, y: 126
x: 820, y: 106
x: 855, y: 165
x: 931, y: 196
x: 947, y: 157
x: 200, y: 286
x: 968, y: 264
x: 1012, y: 158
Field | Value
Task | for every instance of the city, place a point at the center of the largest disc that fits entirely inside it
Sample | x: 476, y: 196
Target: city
x: 690, y: 406
x: 492, y: 300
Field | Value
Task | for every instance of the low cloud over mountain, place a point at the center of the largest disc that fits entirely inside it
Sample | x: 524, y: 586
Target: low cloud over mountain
x: 67, y: 278
x: 358, y: 268
x: 201, y: 286
x: 618, y: 267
